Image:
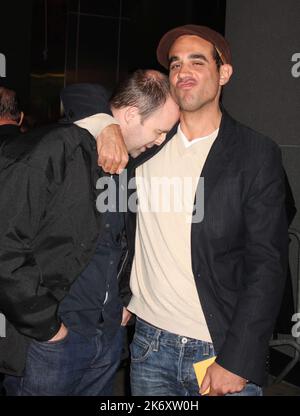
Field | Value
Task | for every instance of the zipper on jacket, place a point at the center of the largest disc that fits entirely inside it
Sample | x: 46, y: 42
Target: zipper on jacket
x: 122, y: 266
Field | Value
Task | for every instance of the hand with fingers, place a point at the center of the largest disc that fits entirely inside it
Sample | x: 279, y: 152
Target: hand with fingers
x: 220, y: 381
x: 112, y: 152
x: 126, y: 317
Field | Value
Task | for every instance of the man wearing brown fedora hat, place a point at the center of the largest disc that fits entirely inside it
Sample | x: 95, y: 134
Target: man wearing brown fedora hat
x: 209, y: 288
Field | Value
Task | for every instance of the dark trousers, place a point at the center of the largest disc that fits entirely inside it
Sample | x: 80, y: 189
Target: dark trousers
x: 74, y: 366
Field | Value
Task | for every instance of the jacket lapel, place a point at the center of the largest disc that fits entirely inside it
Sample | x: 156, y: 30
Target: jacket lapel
x: 219, y: 155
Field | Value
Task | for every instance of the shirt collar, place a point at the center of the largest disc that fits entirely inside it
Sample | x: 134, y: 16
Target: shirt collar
x: 188, y: 143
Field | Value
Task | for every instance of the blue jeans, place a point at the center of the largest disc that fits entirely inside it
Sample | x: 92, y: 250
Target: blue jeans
x: 162, y: 363
x: 74, y: 366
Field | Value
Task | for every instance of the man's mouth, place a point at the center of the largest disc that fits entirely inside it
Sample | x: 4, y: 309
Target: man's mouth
x: 185, y: 85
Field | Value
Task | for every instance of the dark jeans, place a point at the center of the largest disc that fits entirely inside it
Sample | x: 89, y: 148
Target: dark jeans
x: 74, y: 366
x: 162, y: 363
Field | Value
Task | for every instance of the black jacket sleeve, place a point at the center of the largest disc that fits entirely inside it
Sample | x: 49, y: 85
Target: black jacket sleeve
x: 26, y: 303
x: 290, y: 204
x: 265, y: 264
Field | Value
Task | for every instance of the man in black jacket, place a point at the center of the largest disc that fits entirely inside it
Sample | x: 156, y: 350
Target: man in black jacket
x: 206, y: 280
x: 68, y: 338
x: 10, y: 121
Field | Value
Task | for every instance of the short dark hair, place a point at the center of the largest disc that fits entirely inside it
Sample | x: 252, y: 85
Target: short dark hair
x: 217, y: 57
x: 145, y: 89
x: 9, y: 105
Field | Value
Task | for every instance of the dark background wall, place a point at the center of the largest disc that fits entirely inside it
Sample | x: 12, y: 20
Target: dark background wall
x: 88, y: 40
x: 265, y: 94
x: 265, y: 90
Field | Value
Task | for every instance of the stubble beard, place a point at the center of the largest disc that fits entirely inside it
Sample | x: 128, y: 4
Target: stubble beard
x: 189, y: 102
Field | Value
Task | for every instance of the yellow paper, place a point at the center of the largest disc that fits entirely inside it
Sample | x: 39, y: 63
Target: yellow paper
x: 200, y: 370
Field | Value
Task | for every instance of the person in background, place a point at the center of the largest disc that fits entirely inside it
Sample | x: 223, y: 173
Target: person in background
x: 11, y: 116
x: 10, y: 121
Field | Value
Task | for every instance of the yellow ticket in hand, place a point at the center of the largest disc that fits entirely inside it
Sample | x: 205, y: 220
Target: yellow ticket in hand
x: 200, y: 370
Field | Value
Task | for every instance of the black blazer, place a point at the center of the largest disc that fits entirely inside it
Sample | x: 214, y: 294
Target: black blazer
x: 239, y: 250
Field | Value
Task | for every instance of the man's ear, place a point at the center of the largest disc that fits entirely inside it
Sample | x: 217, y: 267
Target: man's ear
x: 131, y: 114
x: 21, y: 118
x: 226, y: 71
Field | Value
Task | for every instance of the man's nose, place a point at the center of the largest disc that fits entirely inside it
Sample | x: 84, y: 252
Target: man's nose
x: 161, y: 138
x: 184, y: 71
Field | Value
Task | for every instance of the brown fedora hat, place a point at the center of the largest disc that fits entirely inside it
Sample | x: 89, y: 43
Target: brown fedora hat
x: 219, y: 42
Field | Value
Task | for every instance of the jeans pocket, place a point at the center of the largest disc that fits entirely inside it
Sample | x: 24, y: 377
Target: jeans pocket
x: 249, y: 390
x: 140, y: 349
x: 50, y: 344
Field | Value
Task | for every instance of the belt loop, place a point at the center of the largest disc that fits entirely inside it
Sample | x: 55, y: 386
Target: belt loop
x: 205, y: 348
x: 156, y: 340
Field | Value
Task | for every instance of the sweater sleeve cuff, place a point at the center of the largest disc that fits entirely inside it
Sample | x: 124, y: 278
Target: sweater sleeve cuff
x: 96, y: 124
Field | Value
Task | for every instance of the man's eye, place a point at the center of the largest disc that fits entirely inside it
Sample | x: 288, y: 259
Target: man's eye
x: 174, y: 66
x: 198, y: 63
